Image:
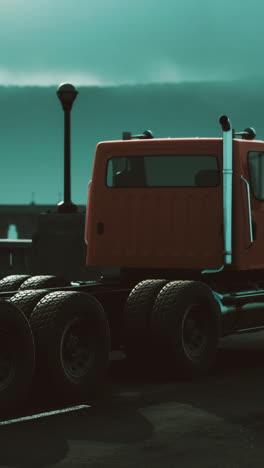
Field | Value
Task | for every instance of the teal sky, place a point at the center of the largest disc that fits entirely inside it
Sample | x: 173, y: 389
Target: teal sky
x: 106, y: 42
x: 99, y: 44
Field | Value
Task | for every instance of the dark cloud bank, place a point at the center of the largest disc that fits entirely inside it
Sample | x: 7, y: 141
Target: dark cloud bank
x: 31, y: 130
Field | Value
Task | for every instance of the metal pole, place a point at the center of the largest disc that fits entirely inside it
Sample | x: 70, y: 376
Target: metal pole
x: 67, y: 157
x: 67, y: 94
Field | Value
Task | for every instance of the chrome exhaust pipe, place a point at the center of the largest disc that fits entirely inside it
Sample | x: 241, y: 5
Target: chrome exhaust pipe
x: 227, y: 186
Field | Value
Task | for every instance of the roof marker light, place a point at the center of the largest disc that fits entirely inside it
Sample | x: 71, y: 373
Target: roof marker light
x: 146, y: 135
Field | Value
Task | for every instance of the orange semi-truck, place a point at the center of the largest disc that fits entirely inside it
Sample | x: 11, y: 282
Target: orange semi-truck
x: 181, y: 223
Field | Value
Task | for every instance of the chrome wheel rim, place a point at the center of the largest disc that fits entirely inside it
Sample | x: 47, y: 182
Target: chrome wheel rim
x: 7, y: 360
x: 194, y: 332
x: 76, y: 350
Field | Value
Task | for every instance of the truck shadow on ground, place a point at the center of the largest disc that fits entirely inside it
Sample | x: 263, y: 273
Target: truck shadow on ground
x: 232, y: 391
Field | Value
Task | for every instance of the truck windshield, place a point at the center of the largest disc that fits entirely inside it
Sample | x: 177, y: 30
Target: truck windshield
x: 163, y: 171
x: 256, y: 172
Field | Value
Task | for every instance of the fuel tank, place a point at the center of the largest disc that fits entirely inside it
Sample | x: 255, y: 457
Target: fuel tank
x: 242, y: 312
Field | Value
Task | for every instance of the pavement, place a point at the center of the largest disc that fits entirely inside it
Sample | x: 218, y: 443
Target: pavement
x: 148, y: 420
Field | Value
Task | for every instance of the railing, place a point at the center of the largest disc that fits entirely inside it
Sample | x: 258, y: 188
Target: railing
x: 15, y: 256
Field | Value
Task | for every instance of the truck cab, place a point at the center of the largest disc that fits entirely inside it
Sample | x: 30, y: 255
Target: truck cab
x: 171, y: 204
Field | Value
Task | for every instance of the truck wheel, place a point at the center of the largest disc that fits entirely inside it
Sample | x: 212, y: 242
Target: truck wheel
x: 17, y: 357
x: 12, y: 282
x: 137, y: 317
x: 186, y: 326
x: 27, y: 300
x: 44, y: 281
x: 72, y: 344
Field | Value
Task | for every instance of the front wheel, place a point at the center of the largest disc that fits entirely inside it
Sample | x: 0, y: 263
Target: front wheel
x: 186, y: 326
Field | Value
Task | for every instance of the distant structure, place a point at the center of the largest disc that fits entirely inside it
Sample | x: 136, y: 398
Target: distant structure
x: 24, y: 217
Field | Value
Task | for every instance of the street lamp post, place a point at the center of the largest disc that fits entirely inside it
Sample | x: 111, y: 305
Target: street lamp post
x: 67, y: 94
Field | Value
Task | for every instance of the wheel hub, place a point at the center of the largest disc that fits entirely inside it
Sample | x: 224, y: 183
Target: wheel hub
x: 194, y: 332
x: 76, y: 350
x: 7, y: 360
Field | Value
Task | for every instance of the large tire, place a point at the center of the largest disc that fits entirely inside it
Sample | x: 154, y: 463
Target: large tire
x: 44, y: 281
x: 137, y: 317
x: 27, y: 300
x: 72, y: 344
x: 186, y: 327
x: 17, y: 357
x: 12, y: 282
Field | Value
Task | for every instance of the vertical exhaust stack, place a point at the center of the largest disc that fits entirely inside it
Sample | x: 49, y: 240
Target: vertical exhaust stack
x: 227, y: 186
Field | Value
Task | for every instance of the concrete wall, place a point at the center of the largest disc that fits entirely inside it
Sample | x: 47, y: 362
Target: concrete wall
x: 25, y: 218
x: 50, y: 243
x: 58, y: 247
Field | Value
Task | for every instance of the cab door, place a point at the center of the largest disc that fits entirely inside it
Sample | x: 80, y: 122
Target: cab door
x: 252, y: 191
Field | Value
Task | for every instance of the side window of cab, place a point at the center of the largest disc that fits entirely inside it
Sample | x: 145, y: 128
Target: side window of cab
x: 256, y: 173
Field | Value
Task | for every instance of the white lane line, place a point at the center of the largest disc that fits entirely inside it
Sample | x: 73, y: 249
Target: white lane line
x: 44, y: 415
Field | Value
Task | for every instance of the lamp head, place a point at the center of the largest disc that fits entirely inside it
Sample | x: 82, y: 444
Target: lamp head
x: 66, y: 93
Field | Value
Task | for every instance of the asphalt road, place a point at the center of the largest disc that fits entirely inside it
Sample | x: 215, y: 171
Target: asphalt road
x: 150, y: 421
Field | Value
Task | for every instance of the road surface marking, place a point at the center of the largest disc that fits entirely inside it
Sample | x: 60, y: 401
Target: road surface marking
x: 44, y: 415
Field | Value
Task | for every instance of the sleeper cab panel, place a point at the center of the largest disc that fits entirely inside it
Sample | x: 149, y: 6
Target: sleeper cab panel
x: 154, y: 227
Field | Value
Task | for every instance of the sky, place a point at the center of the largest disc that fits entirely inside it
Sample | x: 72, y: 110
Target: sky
x: 173, y: 45
x: 113, y: 42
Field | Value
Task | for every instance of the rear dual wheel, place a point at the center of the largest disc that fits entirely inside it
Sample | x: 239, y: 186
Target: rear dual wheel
x: 17, y: 357
x: 26, y: 300
x: 137, y: 318
x: 32, y: 291
x: 185, y: 327
x: 22, y: 282
x: 43, y: 281
x: 178, y: 322
x: 72, y: 341
x: 12, y: 282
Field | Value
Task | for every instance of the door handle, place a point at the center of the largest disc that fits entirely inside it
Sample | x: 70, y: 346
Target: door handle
x: 100, y: 228
x: 249, y: 211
